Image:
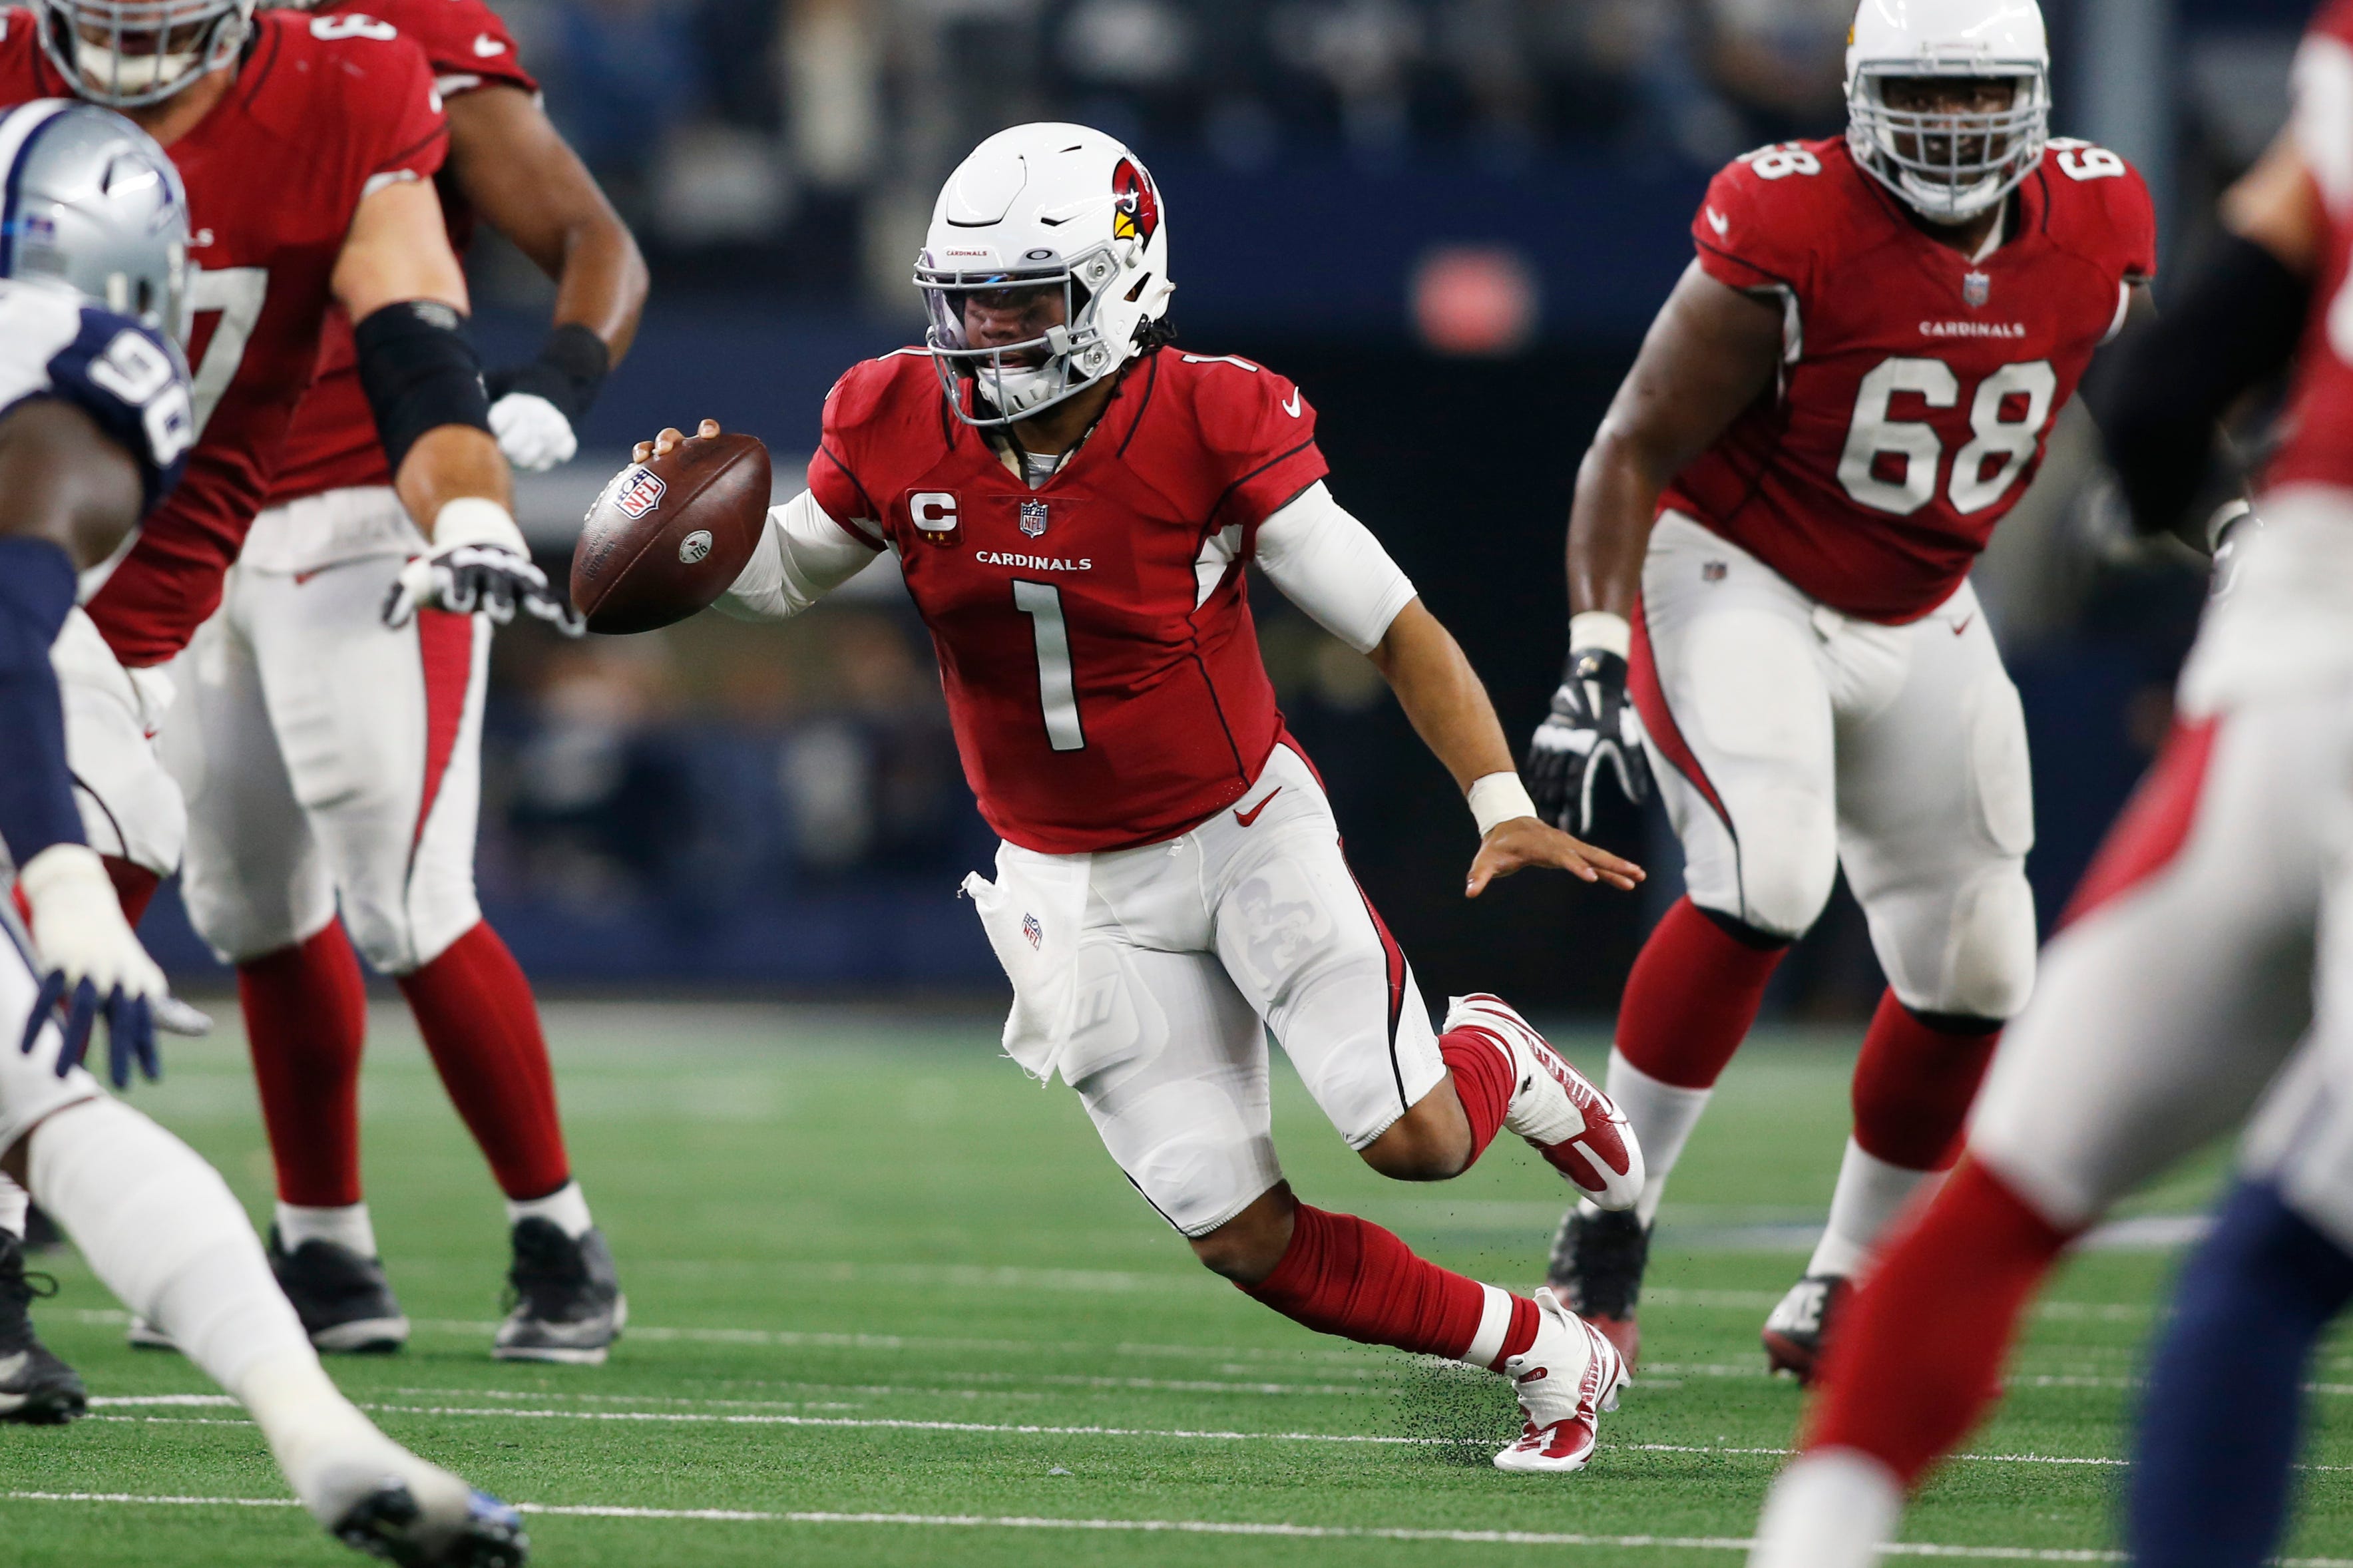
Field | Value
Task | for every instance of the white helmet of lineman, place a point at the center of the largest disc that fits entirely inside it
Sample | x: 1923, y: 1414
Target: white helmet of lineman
x: 1948, y: 166
x: 1040, y: 206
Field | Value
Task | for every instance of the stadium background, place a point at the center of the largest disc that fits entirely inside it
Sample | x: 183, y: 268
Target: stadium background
x: 1450, y: 220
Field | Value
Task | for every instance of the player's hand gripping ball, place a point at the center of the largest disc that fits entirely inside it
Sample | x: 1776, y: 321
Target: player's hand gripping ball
x: 672, y: 530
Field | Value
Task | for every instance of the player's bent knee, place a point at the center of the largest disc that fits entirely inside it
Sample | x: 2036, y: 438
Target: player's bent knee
x: 1430, y: 1143
x: 1250, y: 1247
x: 397, y: 942
x: 1789, y: 864
x: 1989, y: 963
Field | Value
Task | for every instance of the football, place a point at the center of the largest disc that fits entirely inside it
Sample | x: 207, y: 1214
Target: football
x: 667, y: 536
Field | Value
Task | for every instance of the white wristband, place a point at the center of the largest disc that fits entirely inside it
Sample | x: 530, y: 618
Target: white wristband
x: 1600, y: 629
x: 1499, y: 797
x: 476, y: 519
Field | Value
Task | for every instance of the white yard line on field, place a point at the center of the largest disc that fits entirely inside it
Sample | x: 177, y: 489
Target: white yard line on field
x: 1178, y: 1527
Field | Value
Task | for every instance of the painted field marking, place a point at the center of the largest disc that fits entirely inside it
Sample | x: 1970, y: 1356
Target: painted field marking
x: 1179, y: 1527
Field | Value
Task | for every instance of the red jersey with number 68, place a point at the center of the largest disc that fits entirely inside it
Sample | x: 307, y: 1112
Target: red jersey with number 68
x: 1102, y: 669
x: 333, y: 442
x: 1918, y: 384
x: 325, y: 110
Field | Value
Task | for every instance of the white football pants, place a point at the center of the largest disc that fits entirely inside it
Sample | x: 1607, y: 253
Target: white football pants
x: 2183, y: 979
x: 325, y: 758
x: 1790, y: 740
x: 130, y: 807
x: 1177, y: 958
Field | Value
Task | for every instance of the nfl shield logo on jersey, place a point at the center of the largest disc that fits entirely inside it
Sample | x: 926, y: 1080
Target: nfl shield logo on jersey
x: 1033, y: 517
x: 1032, y: 930
x: 641, y: 493
x: 1975, y: 289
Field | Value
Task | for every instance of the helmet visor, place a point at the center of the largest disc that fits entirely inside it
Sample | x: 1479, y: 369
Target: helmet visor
x: 125, y: 53
x: 1023, y: 341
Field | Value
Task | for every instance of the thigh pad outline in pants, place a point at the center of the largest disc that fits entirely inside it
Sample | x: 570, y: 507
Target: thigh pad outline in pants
x: 1740, y: 730
x: 1302, y: 943
x: 2161, y: 1014
x: 253, y: 880
x: 381, y: 733
x: 1935, y: 818
x: 1171, y: 1064
x: 130, y: 807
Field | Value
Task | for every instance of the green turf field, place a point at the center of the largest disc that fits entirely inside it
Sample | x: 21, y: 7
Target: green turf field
x: 892, y: 1304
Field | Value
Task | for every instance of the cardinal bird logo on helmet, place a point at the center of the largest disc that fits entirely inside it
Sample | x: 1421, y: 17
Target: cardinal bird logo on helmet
x: 1138, y: 217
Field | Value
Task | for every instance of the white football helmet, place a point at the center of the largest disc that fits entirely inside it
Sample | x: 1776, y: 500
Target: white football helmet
x: 1038, y: 206
x: 1948, y: 167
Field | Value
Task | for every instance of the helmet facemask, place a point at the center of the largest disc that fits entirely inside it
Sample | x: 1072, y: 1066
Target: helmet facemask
x: 1949, y: 164
x: 129, y: 53
x: 1018, y: 379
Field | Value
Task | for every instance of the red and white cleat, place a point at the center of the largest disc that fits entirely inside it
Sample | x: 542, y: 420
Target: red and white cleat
x: 1577, y: 1129
x: 1565, y: 1381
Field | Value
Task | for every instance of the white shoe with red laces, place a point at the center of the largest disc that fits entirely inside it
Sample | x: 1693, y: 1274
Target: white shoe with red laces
x: 1566, y: 1382
x: 1577, y: 1129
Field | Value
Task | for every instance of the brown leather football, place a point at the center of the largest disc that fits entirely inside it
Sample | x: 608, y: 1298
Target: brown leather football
x: 667, y: 535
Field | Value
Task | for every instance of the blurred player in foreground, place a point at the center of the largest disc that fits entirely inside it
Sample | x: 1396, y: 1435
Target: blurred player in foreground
x: 2183, y: 979
x: 332, y: 755
x: 97, y: 421
x: 1073, y: 502
x: 1769, y: 556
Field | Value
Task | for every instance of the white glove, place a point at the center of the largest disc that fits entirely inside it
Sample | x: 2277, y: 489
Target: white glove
x: 532, y: 432
x: 90, y: 959
x: 478, y: 564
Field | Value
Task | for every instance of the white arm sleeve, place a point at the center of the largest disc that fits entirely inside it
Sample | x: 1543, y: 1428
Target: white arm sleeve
x: 1330, y: 566
x: 802, y: 556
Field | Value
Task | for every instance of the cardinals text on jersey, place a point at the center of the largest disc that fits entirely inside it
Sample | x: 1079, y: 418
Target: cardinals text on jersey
x: 127, y: 378
x: 1102, y: 669
x: 323, y: 109
x: 332, y: 444
x: 1919, y: 384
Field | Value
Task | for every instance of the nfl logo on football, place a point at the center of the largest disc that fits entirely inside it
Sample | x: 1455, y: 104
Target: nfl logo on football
x: 1033, y: 517
x: 1975, y: 289
x: 641, y: 493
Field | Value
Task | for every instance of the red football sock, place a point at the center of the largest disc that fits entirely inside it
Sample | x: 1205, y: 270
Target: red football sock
x: 1691, y: 998
x: 1483, y: 1081
x: 305, y: 1022
x: 1345, y: 1275
x: 475, y: 1010
x: 134, y: 885
x: 1912, y: 1086
x: 1917, y: 1358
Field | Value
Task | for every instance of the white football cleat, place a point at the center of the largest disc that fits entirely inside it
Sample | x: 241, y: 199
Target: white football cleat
x: 1566, y: 1382
x: 1577, y: 1129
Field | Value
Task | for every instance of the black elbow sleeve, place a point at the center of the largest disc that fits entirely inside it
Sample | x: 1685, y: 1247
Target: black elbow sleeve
x: 420, y: 373
x: 2236, y: 322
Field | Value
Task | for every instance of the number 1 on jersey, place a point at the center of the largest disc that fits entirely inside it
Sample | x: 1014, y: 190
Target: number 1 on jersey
x: 1057, y: 691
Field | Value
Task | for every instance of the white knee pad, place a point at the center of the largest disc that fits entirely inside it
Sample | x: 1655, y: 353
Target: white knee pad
x: 1988, y: 967
x: 241, y: 918
x: 402, y: 928
x: 1788, y: 858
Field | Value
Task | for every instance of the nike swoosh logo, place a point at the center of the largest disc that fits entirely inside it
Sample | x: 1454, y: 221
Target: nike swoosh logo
x: 1964, y: 624
x: 1718, y: 222
x: 486, y: 45
x: 303, y: 577
x: 1247, y: 817
x: 1291, y: 408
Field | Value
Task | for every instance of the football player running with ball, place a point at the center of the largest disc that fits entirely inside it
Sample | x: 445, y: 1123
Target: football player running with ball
x: 328, y: 737
x: 1072, y: 502
x: 1769, y: 568
x: 96, y: 423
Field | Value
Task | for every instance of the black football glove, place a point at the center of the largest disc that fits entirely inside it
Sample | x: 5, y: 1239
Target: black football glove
x: 1592, y: 722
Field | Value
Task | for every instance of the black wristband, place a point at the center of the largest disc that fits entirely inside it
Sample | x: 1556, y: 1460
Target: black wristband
x: 568, y: 372
x: 420, y: 373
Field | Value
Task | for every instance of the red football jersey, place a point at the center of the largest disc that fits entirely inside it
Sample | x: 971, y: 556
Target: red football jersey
x: 1102, y: 668
x: 2319, y: 447
x: 1918, y: 385
x: 333, y: 443
x: 324, y: 109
